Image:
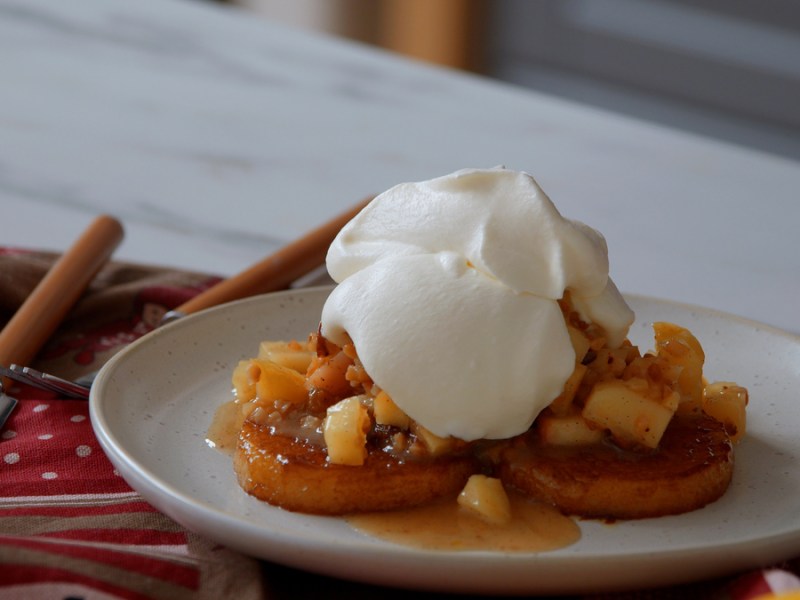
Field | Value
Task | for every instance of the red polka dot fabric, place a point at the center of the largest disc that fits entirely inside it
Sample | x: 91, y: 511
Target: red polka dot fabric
x: 49, y: 449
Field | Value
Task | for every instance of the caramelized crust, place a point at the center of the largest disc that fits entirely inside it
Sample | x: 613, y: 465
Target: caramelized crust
x: 296, y: 475
x: 691, y: 468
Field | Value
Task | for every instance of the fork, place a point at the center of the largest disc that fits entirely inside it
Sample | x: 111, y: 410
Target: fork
x: 53, y: 297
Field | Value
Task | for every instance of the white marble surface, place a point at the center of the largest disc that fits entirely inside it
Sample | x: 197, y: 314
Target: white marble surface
x: 215, y: 136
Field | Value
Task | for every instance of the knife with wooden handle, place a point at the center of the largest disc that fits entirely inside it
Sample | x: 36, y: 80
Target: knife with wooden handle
x: 42, y: 312
x: 275, y: 272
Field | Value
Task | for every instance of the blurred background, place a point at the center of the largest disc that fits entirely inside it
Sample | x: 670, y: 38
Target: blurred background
x: 729, y: 69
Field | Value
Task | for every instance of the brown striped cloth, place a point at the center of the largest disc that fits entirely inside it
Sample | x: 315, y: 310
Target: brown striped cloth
x: 70, y: 527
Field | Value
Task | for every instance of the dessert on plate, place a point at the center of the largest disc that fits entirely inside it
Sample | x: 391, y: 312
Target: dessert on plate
x: 475, y: 345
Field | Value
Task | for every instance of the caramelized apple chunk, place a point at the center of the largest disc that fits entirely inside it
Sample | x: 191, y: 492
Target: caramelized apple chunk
x: 727, y: 403
x: 267, y: 381
x: 485, y: 497
x: 388, y: 413
x: 629, y: 411
x: 345, y: 431
x: 678, y: 347
x: 291, y: 354
x: 568, y: 430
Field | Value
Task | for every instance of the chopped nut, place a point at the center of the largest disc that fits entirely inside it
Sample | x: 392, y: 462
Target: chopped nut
x: 310, y: 422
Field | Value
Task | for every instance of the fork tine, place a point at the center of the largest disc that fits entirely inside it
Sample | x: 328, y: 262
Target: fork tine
x: 31, y: 377
x: 46, y: 381
x: 15, y: 373
x: 7, y: 405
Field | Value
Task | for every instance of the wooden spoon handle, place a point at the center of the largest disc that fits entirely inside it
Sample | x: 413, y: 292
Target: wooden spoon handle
x: 51, y: 300
x: 275, y: 272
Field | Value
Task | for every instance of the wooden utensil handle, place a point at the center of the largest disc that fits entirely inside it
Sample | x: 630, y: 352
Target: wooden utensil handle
x: 276, y: 271
x: 48, y: 304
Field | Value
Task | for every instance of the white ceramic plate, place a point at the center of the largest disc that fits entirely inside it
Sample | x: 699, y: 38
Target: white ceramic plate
x: 152, y: 404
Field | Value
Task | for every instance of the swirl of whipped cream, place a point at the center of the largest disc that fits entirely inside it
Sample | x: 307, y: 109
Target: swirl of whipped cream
x: 449, y: 288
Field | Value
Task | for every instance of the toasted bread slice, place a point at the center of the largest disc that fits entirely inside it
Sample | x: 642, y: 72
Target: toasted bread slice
x: 296, y: 475
x: 691, y: 468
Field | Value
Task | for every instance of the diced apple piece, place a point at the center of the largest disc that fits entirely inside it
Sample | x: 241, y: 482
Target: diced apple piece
x: 276, y: 382
x: 485, y: 497
x: 727, y: 402
x: 287, y: 354
x: 388, y: 413
x: 435, y: 445
x: 563, y: 402
x: 667, y: 332
x: 679, y: 347
x: 567, y: 430
x: 345, y: 431
x: 268, y: 381
x: 627, y: 410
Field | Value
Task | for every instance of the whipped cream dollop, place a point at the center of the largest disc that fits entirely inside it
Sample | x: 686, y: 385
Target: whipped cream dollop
x: 449, y: 288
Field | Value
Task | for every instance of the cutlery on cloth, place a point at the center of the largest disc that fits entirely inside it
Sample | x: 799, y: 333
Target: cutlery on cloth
x: 54, y: 296
x: 277, y: 271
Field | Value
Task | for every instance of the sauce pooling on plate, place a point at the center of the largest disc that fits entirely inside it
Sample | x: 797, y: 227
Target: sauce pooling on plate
x: 223, y: 432
x: 534, y: 527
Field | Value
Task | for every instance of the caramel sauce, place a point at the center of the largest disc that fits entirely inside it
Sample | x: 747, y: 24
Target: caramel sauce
x: 223, y: 433
x: 534, y: 527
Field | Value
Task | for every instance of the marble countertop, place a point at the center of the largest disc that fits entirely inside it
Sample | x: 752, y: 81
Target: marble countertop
x: 215, y: 137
